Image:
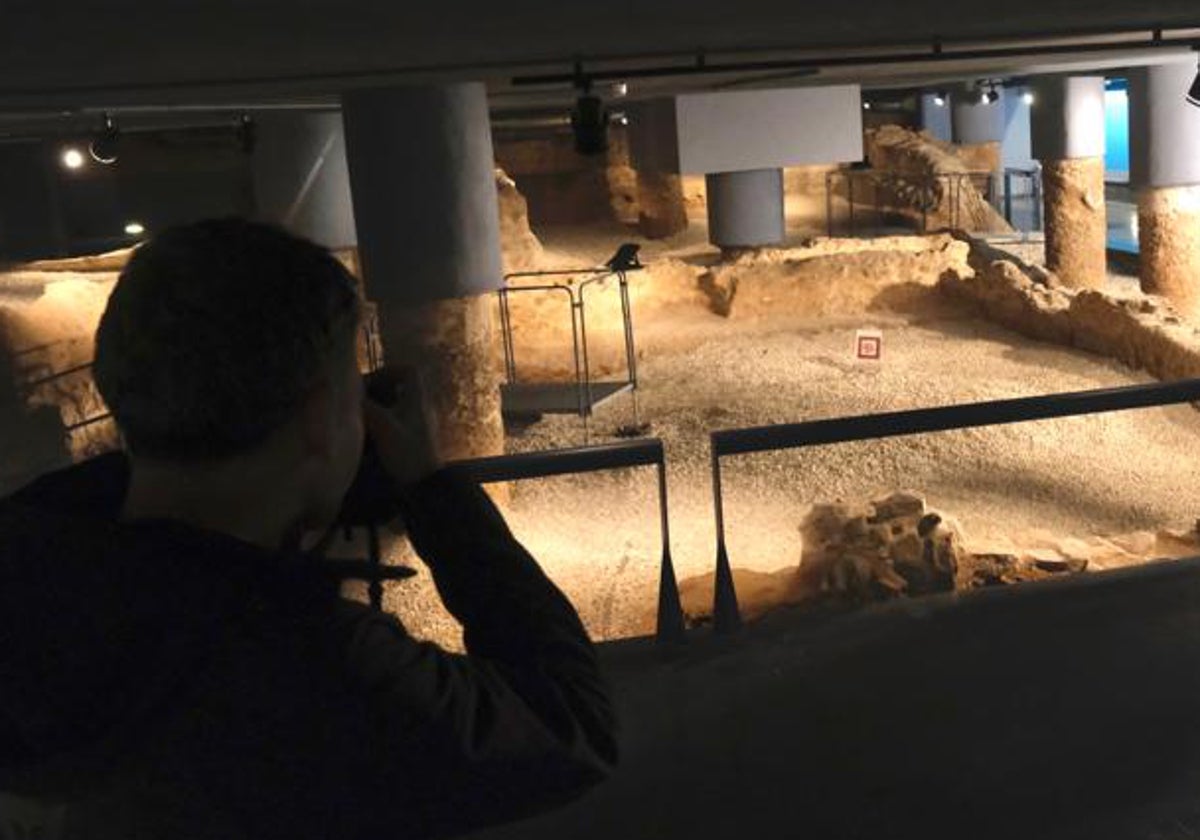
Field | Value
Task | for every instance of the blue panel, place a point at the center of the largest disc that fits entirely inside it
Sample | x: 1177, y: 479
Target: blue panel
x: 1116, y: 119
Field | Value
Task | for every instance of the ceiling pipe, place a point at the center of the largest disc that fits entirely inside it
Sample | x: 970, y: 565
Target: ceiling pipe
x: 937, y: 51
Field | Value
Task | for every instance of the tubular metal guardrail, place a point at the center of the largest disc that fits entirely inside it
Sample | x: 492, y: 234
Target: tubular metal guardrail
x: 612, y: 456
x: 726, y: 616
x: 928, y: 192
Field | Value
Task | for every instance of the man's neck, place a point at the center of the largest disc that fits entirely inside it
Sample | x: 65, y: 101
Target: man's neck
x: 225, y: 498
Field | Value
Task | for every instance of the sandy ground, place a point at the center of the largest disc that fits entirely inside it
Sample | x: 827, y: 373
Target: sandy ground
x: 597, y: 536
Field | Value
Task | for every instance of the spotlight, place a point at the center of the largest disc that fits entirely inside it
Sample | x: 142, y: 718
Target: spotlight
x: 72, y: 158
x: 620, y: 89
x: 989, y: 96
x: 104, y: 146
x: 866, y: 106
x: 1193, y: 94
x: 1028, y: 98
x: 135, y: 228
x: 940, y: 98
x: 589, y: 121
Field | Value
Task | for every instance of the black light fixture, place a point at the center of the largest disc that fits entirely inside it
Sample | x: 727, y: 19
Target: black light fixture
x: 1193, y: 94
x: 103, y: 147
x: 589, y: 119
x: 989, y: 94
x: 940, y: 98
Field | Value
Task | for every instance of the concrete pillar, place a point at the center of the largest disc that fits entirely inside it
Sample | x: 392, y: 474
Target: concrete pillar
x: 425, y: 206
x: 977, y: 122
x: 662, y: 210
x: 745, y: 209
x: 301, y: 181
x: 1068, y: 138
x: 935, y: 118
x: 1164, y: 168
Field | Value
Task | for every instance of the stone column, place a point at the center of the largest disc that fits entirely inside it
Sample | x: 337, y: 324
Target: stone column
x: 662, y: 211
x: 1068, y: 139
x: 424, y: 189
x: 745, y: 209
x: 1164, y: 134
x: 301, y: 181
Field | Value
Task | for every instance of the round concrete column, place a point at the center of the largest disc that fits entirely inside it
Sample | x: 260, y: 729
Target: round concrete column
x: 975, y: 121
x: 424, y: 193
x: 300, y: 177
x: 1164, y: 168
x: 745, y: 209
x: 1068, y: 138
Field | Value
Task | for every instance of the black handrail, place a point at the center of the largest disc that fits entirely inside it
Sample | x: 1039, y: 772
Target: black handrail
x: 585, y: 459
x: 726, y: 616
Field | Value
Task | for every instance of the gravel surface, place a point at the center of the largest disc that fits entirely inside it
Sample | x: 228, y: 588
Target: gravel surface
x: 597, y: 536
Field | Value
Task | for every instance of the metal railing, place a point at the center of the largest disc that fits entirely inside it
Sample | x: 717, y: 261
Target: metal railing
x: 884, y: 193
x: 1014, y: 175
x: 586, y: 459
x: 726, y: 615
x: 576, y: 295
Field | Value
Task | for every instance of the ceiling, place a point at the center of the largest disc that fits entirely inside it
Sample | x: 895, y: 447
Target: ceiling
x: 181, y: 62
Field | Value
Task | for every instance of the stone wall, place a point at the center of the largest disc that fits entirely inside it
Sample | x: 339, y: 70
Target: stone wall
x: 522, y: 250
x: 831, y: 276
x: 911, y: 162
x: 1143, y: 332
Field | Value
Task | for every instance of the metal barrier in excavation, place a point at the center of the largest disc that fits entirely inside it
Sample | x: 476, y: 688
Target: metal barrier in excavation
x: 529, y: 399
x: 612, y: 456
x: 726, y: 615
x: 913, y: 198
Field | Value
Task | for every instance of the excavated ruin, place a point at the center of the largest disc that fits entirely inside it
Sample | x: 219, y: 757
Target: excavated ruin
x: 764, y: 337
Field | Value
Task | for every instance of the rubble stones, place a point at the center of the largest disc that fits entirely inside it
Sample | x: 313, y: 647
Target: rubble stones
x: 1141, y: 332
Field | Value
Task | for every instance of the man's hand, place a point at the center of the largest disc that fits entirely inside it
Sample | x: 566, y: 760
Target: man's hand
x: 398, y: 423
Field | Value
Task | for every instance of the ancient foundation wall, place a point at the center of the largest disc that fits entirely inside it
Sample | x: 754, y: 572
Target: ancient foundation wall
x: 1143, y: 332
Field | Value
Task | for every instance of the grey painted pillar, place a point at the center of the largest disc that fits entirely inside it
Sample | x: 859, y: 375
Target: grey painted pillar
x: 301, y: 181
x: 422, y: 177
x: 1068, y: 138
x: 977, y: 122
x: 1164, y: 168
x: 745, y: 209
x: 422, y: 174
x: 935, y: 118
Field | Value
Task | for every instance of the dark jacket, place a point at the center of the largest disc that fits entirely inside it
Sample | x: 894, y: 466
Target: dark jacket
x: 157, y: 680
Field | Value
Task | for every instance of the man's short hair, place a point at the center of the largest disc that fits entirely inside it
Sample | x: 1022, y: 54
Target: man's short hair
x: 215, y: 334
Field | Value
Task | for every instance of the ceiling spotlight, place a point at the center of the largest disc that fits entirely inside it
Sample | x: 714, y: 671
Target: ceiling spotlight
x: 1193, y: 94
x: 989, y: 95
x: 104, y: 146
x: 620, y: 89
x: 1028, y: 98
x: 135, y: 228
x: 622, y: 119
x: 940, y: 98
x: 866, y: 106
x: 72, y: 158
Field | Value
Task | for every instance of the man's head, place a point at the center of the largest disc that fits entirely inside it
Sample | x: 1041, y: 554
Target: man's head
x: 228, y: 343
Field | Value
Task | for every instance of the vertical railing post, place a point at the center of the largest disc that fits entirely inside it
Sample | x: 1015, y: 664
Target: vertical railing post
x: 726, y: 615
x: 670, y: 609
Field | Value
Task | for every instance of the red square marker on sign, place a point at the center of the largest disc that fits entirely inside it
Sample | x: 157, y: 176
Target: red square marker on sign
x: 868, y: 345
